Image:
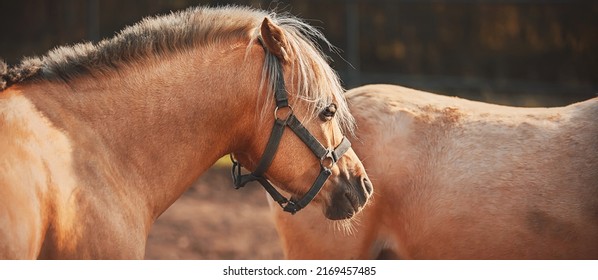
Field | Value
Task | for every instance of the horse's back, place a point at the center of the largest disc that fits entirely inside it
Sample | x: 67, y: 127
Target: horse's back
x: 517, y: 182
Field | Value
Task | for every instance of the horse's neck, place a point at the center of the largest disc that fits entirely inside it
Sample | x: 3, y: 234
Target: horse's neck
x: 151, y: 133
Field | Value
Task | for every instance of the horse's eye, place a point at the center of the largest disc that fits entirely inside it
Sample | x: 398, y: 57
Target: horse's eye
x: 328, y: 112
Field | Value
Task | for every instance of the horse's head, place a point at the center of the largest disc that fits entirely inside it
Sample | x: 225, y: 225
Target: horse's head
x: 299, y: 143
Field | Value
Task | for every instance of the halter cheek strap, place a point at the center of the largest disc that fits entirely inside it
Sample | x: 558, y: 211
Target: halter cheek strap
x: 327, y: 157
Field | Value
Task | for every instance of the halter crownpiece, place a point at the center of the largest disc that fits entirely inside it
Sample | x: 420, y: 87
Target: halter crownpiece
x: 327, y: 157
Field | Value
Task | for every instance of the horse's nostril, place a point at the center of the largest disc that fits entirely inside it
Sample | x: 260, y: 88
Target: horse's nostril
x: 367, y: 185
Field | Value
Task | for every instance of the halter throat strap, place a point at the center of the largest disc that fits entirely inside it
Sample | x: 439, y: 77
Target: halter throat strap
x: 327, y: 157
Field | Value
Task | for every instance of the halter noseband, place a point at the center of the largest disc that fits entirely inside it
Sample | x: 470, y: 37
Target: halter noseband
x: 327, y: 157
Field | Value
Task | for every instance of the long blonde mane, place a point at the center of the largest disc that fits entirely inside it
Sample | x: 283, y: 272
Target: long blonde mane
x: 161, y: 36
x: 310, y: 65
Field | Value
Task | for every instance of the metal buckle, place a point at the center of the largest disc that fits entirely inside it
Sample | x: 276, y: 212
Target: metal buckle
x: 236, y: 173
x: 290, y: 207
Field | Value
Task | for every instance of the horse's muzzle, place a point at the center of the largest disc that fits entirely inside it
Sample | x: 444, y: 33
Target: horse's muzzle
x: 349, y: 198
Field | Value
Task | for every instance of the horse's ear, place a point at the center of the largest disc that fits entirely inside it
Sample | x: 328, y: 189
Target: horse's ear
x: 274, y: 40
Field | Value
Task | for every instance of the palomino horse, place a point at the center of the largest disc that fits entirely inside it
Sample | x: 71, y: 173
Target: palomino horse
x: 459, y: 179
x: 96, y: 141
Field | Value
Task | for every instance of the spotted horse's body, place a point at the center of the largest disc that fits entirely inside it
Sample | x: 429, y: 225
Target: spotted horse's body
x: 459, y: 179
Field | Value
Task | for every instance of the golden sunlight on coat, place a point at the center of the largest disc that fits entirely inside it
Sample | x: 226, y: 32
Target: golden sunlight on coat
x: 98, y: 140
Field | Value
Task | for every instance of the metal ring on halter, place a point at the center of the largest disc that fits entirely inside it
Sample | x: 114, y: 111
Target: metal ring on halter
x: 289, y: 114
x: 328, y: 161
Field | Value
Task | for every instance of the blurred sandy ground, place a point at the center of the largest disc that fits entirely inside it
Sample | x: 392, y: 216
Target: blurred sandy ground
x: 212, y: 220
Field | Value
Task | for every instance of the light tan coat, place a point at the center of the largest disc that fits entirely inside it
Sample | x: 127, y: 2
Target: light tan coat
x: 459, y: 179
x: 96, y: 141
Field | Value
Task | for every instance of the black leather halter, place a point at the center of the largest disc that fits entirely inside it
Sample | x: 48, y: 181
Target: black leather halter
x: 327, y: 157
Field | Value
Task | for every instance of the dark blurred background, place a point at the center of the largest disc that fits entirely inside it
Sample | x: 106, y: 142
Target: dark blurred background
x: 517, y: 52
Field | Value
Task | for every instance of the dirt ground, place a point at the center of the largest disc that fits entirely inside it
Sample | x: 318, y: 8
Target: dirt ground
x: 212, y: 220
